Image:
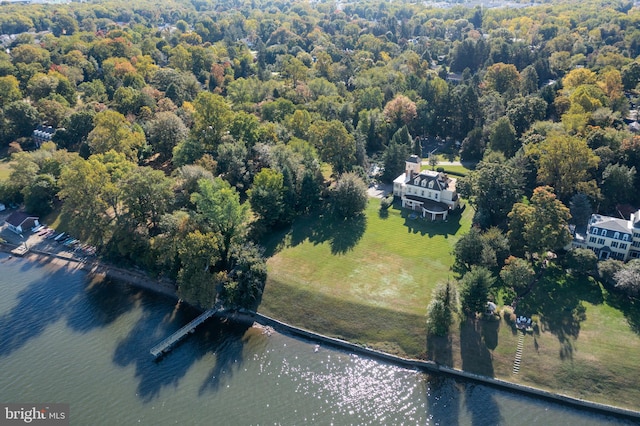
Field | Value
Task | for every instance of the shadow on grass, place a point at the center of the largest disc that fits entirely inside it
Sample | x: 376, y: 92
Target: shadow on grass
x: 342, y: 235
x: 440, y: 350
x: 416, y: 224
x: 558, y: 298
x: 629, y: 307
x: 392, y: 331
x: 474, y: 351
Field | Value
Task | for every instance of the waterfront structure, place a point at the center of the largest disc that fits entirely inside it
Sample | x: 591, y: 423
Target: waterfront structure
x: 18, y: 222
x: 431, y: 193
x: 610, y: 237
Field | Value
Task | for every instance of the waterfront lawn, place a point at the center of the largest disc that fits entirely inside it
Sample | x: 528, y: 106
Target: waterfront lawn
x: 587, y: 342
x: 370, y: 281
x: 367, y: 280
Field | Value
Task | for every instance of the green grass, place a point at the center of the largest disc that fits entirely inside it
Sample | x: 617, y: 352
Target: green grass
x: 370, y: 281
x: 459, y: 170
x: 56, y: 220
x: 353, y: 274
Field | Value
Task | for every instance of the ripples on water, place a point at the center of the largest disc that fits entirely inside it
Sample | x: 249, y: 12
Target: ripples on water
x: 63, y: 339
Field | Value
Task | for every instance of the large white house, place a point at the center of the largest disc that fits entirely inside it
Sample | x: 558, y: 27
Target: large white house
x: 612, y: 238
x: 433, y: 194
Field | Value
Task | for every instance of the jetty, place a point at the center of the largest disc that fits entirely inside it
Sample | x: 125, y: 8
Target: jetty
x: 21, y: 250
x: 169, y: 342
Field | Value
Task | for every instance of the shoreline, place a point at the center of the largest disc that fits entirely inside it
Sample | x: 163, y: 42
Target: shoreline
x: 166, y: 288
x: 99, y: 268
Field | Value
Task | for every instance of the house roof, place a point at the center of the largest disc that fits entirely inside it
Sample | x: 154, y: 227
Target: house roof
x: 440, y: 180
x: 610, y: 223
x: 18, y: 218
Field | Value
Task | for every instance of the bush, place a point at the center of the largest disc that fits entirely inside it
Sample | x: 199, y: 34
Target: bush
x: 628, y: 278
x: 386, y: 202
x: 607, y: 270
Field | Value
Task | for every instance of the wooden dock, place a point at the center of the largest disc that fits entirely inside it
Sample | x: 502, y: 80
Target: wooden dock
x: 21, y: 250
x: 167, y: 344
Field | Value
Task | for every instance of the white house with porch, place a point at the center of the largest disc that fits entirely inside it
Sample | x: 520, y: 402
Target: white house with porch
x: 432, y: 194
x: 612, y: 238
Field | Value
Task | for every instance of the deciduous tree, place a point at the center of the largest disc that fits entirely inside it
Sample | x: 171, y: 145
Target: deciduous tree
x: 349, y: 197
x: 517, y: 273
x: 400, y: 111
x: 542, y: 225
x: 267, y: 195
x: 564, y: 162
x: 165, y: 132
x: 197, y: 284
x: 148, y: 195
x: 9, y: 90
x: 218, y: 204
x: 492, y: 188
x: 112, y: 131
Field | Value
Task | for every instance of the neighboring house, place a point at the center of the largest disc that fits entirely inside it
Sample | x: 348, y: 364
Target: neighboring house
x: 18, y: 222
x: 42, y: 134
x: 612, y: 238
x: 433, y: 194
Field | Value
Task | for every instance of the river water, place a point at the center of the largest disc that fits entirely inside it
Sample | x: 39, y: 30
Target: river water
x: 64, y: 339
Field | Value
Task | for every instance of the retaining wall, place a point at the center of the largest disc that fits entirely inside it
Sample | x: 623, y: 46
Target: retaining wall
x: 432, y: 367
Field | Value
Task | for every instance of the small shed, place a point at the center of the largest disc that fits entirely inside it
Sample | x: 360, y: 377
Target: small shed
x: 18, y: 222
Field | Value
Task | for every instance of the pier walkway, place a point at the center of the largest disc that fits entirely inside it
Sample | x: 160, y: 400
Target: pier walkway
x: 168, y: 343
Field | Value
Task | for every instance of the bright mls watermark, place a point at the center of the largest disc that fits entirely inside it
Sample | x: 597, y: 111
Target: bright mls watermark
x: 37, y: 414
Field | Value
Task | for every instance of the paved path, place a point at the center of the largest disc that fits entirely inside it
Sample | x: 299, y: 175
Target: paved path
x: 380, y: 190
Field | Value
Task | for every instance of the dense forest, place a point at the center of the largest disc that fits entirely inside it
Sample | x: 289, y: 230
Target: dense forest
x: 186, y: 131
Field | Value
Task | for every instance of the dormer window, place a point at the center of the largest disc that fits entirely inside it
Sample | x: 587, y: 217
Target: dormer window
x: 417, y: 181
x: 423, y: 183
x: 603, y: 232
x: 594, y: 231
x: 616, y: 235
x: 431, y: 184
x: 625, y: 237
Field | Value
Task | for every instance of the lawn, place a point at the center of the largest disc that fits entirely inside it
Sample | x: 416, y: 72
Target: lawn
x: 456, y: 170
x: 368, y: 280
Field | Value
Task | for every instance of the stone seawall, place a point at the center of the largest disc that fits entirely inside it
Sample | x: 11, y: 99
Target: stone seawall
x: 432, y: 367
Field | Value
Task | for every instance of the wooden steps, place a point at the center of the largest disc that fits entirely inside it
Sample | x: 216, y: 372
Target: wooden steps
x: 517, y: 360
